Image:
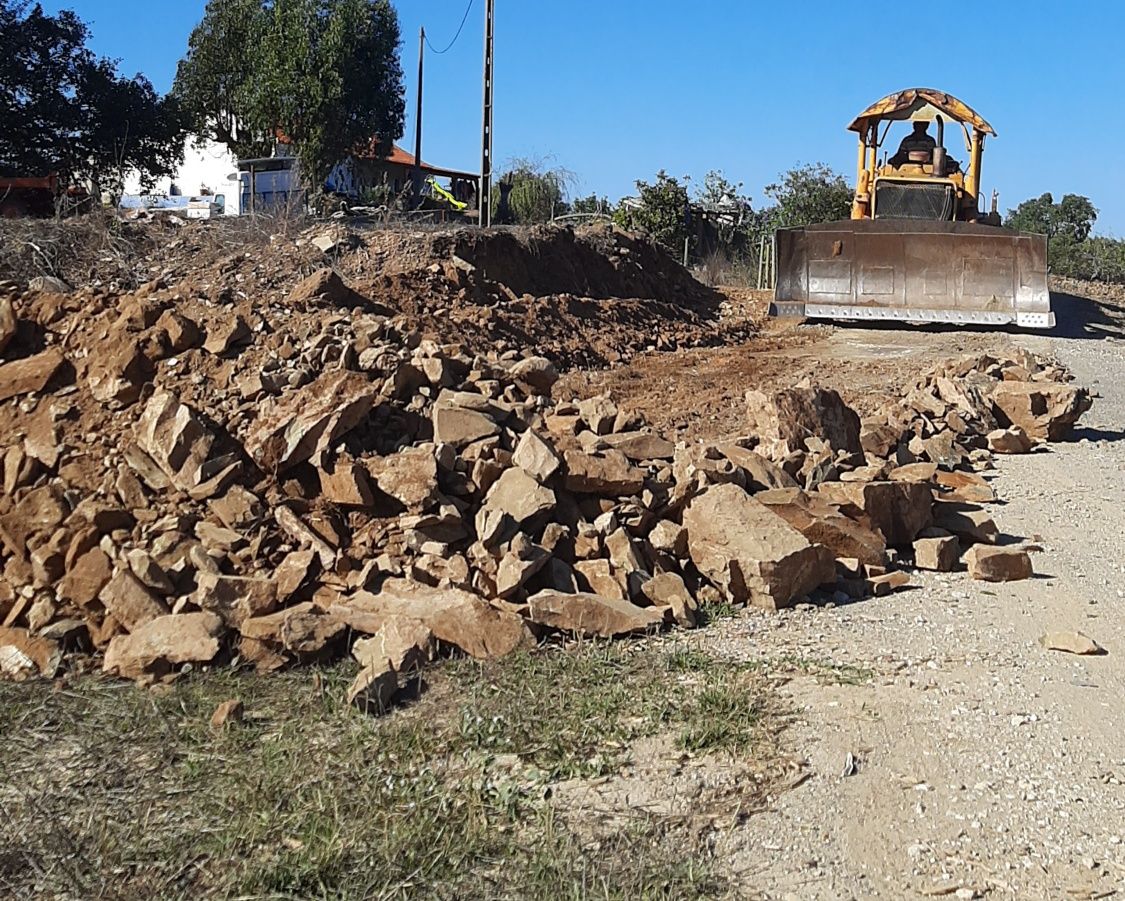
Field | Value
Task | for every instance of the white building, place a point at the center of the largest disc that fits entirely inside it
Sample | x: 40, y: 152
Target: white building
x: 209, y: 171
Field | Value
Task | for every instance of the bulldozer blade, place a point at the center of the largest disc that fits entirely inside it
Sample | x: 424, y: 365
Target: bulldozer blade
x: 913, y: 271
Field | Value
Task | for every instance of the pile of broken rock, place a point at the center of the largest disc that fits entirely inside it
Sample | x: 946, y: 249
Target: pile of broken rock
x: 398, y: 499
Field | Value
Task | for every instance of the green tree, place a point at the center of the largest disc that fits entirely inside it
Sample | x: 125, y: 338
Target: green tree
x: 537, y: 190
x: 1071, y: 219
x: 326, y: 74
x: 592, y: 204
x: 65, y: 110
x: 661, y: 210
x: 807, y: 195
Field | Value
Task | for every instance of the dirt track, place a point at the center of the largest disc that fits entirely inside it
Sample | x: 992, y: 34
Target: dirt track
x: 984, y: 765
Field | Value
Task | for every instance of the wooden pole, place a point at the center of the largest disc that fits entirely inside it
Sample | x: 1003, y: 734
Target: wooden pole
x: 417, y: 176
x: 485, y: 198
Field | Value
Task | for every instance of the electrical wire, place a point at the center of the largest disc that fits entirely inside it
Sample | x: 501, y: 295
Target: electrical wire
x: 449, y: 46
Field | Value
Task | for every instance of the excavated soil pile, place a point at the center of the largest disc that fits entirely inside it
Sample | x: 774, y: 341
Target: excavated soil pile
x: 584, y: 298
x: 193, y: 478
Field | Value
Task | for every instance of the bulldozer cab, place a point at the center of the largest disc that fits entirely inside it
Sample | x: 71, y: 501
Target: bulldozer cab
x: 922, y: 179
x: 917, y: 247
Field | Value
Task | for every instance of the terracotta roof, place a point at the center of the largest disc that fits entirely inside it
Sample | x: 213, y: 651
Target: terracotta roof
x: 371, y: 151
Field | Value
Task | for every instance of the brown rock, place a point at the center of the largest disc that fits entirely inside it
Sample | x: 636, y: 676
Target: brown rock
x: 292, y: 573
x: 592, y: 616
x: 517, y: 566
x: 23, y: 655
x: 599, y: 578
x: 1012, y: 440
x: 295, y: 528
x: 641, y: 446
x: 226, y: 713
x: 937, y: 554
x: 513, y: 502
x: 235, y: 598
x: 309, y: 633
x: 669, y: 538
x: 1045, y: 410
x: 761, y: 474
x: 998, y: 564
x: 966, y: 487
x: 149, y: 572
x: 599, y: 414
x: 8, y: 322
x: 538, y: 373
x: 156, y: 647
x: 269, y: 627
x: 309, y: 420
x: 226, y: 335
x: 899, y: 510
x: 610, y: 474
x: 84, y: 581
x: 458, y: 426
x: 914, y: 472
x: 822, y: 523
x: 966, y: 521
x: 405, y: 645
x: 117, y: 375
x: 457, y: 618
x: 879, y: 438
x: 885, y: 583
x: 669, y: 590
x: 750, y: 552
x: 183, y: 333
x: 31, y: 374
x: 130, y: 602
x: 784, y: 419
x: 409, y: 476
x: 346, y: 486
x: 324, y: 283
x: 1071, y: 643
x: 536, y: 456
x: 174, y: 438
x: 373, y: 690
x: 238, y: 509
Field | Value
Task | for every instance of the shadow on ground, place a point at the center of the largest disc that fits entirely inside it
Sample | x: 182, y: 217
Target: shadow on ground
x: 1084, y: 317
x: 1075, y: 317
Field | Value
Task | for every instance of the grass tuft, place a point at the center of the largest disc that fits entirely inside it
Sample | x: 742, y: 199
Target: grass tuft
x: 112, y: 791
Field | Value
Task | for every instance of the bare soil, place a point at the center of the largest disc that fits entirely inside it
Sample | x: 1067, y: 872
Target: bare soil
x: 965, y: 760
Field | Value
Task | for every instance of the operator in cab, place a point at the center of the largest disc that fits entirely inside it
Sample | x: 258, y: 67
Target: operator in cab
x: 919, y: 139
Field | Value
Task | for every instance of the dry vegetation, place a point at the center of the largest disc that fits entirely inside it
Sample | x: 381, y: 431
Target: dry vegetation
x: 117, y: 793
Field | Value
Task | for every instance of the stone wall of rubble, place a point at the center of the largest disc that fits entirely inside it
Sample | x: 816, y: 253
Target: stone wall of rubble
x: 191, y: 486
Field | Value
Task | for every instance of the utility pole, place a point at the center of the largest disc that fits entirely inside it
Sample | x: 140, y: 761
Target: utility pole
x: 485, y: 197
x: 417, y: 177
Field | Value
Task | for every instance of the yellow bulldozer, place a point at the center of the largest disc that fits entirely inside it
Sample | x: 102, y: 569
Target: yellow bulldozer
x: 917, y: 248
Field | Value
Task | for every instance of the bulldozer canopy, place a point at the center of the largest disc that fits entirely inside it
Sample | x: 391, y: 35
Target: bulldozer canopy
x: 907, y: 104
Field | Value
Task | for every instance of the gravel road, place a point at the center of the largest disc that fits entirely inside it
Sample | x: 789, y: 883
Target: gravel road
x: 981, y: 764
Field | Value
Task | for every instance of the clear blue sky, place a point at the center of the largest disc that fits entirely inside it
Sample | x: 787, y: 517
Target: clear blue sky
x: 616, y: 89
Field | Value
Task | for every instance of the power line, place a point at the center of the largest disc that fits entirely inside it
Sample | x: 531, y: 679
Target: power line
x: 449, y: 46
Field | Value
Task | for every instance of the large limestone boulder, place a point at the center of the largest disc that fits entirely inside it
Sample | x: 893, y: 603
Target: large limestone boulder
x: 592, y: 615
x: 457, y: 618
x: 784, y: 419
x: 1045, y: 410
x: 899, y: 510
x: 309, y: 419
x: 822, y: 523
x: 750, y: 552
x: 163, y: 643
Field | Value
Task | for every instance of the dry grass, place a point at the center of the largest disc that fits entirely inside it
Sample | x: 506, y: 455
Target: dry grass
x: 112, y: 792
x: 77, y: 250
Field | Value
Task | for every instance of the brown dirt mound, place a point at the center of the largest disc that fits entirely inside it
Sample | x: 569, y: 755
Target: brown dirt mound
x: 587, y: 297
